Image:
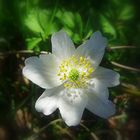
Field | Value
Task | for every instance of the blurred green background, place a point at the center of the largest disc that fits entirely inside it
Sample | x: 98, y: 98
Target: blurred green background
x: 26, y: 27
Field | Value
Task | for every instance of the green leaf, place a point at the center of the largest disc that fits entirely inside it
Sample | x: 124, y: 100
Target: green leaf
x: 32, y: 42
x: 127, y: 12
x: 68, y: 18
x: 39, y: 21
x: 79, y: 22
x: 32, y: 21
x: 107, y: 26
x: 72, y: 23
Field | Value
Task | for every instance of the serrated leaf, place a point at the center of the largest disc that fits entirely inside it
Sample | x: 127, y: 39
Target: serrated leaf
x: 39, y: 21
x: 32, y: 21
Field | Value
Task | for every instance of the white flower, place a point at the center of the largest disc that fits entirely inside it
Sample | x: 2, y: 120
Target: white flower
x: 72, y: 78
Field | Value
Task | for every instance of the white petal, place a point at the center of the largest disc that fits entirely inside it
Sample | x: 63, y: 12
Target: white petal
x: 62, y: 45
x: 72, y: 105
x: 40, y: 71
x: 107, y: 77
x: 93, y: 48
x: 103, y: 108
x: 98, y: 88
x: 47, y: 102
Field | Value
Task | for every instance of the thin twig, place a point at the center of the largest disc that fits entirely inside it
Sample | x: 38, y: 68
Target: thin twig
x: 91, y: 133
x: 131, y: 89
x: 17, y: 52
x: 65, y: 131
x: 31, y: 51
x: 125, y: 67
x: 117, y: 133
x: 122, y: 47
x: 21, y: 52
x: 121, y: 116
x: 35, y: 136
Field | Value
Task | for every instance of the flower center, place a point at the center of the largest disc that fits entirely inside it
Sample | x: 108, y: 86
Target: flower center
x: 75, y: 72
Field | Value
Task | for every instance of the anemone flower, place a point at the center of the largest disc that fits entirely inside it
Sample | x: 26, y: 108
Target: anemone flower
x: 72, y: 78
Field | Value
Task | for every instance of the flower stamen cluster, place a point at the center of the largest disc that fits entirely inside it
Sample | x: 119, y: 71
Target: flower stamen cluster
x: 75, y: 72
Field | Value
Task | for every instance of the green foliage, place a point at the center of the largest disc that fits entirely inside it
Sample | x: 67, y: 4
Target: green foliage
x: 45, y: 22
x: 108, y: 27
x: 28, y: 25
x: 72, y: 23
x: 32, y: 42
x: 126, y: 12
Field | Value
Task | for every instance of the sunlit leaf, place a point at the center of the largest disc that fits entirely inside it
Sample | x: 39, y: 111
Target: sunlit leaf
x: 79, y: 22
x: 107, y: 26
x: 67, y: 18
x: 126, y: 13
x: 42, y: 21
x: 33, y: 22
x: 32, y: 42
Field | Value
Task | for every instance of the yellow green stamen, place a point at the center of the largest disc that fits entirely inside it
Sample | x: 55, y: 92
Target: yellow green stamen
x: 75, y: 72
